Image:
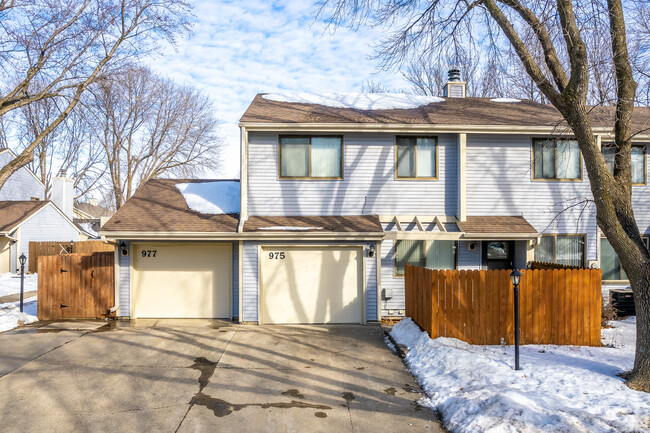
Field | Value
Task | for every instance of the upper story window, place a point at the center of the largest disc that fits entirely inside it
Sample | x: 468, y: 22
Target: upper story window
x: 306, y: 157
x: 638, y: 162
x: 555, y: 159
x: 610, y: 263
x: 566, y: 250
x: 416, y: 157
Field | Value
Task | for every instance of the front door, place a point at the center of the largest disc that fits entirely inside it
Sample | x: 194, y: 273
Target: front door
x: 498, y: 254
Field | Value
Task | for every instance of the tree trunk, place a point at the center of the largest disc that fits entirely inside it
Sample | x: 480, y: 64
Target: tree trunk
x: 639, y: 377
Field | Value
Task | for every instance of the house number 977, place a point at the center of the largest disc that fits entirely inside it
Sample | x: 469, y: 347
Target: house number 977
x: 277, y: 255
x: 149, y: 253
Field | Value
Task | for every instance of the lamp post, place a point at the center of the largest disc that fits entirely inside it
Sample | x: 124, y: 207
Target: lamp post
x: 22, y: 260
x: 515, y: 276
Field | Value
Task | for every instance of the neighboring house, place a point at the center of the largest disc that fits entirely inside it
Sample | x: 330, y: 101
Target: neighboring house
x: 25, y: 215
x: 338, y: 192
x: 90, y: 216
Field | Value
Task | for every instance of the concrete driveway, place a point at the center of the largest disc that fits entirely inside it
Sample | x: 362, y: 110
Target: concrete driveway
x: 205, y: 376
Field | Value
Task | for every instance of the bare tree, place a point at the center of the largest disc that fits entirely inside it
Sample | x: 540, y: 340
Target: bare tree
x: 55, y: 50
x: 149, y: 127
x: 553, y: 40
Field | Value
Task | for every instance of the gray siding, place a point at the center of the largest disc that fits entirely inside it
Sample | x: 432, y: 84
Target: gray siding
x: 250, y: 281
x: 124, y: 282
x: 469, y: 260
x: 368, y: 186
x: 499, y: 182
x: 389, y: 280
x: 46, y: 225
x: 21, y: 185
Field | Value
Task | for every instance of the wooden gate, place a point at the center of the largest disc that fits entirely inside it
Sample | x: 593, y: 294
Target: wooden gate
x: 55, y: 248
x: 75, y: 286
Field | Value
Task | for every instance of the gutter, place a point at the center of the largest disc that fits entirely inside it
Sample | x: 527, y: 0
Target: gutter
x: 240, y: 236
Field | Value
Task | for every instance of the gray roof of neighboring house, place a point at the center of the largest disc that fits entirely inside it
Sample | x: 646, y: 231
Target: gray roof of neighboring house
x: 13, y: 213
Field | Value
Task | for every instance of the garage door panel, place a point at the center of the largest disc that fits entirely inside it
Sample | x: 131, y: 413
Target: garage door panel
x: 182, y: 281
x: 311, y: 285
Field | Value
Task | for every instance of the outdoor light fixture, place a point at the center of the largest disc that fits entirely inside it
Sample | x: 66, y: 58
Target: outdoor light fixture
x: 515, y: 277
x: 124, y: 249
x: 22, y: 260
x: 371, y: 251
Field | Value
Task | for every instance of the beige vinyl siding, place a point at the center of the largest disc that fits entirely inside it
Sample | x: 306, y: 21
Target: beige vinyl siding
x: 499, y: 182
x: 368, y: 186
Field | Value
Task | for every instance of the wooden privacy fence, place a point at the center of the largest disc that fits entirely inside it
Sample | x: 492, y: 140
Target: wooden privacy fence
x: 55, y: 248
x: 556, y: 306
x: 75, y: 286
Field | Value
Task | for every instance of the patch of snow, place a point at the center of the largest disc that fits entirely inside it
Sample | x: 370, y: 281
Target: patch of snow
x: 290, y: 228
x: 88, y: 228
x: 505, y: 100
x: 358, y: 101
x: 215, y: 198
x: 10, y: 314
x: 559, y: 389
x: 10, y: 283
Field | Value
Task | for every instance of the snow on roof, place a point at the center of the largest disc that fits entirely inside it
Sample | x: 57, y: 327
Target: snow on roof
x: 358, y: 101
x: 505, y: 100
x: 214, y: 197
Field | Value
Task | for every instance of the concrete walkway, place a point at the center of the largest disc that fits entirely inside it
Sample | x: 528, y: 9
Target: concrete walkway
x: 16, y: 296
x: 205, y: 376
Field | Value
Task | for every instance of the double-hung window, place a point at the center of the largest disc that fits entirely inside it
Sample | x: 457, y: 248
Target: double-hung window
x: 318, y: 157
x: 566, y: 250
x: 426, y: 254
x: 638, y: 156
x: 556, y: 159
x: 610, y: 263
x: 416, y: 157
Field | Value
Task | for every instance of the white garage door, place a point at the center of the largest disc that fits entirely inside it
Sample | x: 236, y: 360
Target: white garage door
x: 312, y: 285
x: 181, y: 280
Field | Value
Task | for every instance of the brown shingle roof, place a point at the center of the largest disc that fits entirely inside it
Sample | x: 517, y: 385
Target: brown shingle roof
x: 339, y: 224
x: 496, y: 224
x: 159, y: 206
x: 453, y: 111
x: 12, y: 213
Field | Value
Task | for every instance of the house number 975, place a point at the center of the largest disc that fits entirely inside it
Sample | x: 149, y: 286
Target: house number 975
x: 277, y: 255
x: 149, y: 253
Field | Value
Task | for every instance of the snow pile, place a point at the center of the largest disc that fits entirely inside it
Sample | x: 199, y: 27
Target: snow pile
x: 10, y: 283
x: 559, y: 389
x: 216, y: 197
x: 10, y: 314
x: 358, y: 101
x: 290, y: 228
x: 505, y: 100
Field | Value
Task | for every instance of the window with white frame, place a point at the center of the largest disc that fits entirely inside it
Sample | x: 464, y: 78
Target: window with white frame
x: 638, y: 160
x: 566, y: 250
x: 610, y: 263
x: 427, y: 254
x: 556, y: 159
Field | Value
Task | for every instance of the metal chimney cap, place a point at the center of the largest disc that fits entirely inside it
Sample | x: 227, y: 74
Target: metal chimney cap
x: 454, y: 74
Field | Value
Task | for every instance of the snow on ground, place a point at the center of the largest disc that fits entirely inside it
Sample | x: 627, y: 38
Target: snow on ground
x: 559, y: 389
x: 10, y: 314
x: 10, y: 283
x: 505, y: 100
x: 358, y: 101
x: 218, y: 197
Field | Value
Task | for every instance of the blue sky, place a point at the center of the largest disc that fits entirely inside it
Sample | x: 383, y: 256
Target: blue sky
x: 241, y: 48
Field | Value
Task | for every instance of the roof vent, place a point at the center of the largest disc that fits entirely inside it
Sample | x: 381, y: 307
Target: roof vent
x: 454, y: 87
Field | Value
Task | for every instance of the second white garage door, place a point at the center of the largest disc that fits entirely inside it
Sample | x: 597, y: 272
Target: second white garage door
x: 182, y: 280
x: 311, y: 285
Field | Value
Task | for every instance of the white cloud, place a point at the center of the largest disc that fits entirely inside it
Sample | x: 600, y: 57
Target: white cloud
x: 239, y: 49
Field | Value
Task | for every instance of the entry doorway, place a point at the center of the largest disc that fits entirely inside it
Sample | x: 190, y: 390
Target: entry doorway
x: 498, y: 255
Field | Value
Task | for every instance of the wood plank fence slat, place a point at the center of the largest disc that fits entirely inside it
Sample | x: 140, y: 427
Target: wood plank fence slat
x: 557, y: 306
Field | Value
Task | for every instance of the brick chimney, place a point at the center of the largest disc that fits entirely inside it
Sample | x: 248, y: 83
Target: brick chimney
x: 454, y: 87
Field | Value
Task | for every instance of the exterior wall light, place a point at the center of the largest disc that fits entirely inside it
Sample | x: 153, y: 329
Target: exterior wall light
x: 124, y: 249
x: 371, y: 251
